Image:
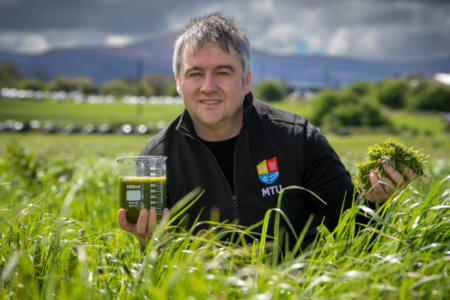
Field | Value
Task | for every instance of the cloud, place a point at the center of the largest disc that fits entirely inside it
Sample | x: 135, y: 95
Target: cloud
x: 383, y: 29
x: 24, y: 42
x: 115, y: 40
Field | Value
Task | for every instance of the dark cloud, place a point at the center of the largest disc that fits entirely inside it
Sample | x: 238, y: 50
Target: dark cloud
x: 134, y: 16
x: 395, y: 29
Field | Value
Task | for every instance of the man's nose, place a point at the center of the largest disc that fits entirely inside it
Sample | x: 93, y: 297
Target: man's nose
x: 209, y: 84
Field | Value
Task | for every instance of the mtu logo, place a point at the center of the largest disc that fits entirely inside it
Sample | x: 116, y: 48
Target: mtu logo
x: 268, y: 170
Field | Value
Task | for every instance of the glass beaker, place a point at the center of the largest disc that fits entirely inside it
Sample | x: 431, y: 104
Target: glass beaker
x: 142, y: 184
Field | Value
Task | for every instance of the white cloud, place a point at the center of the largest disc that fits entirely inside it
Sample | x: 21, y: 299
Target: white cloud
x: 339, y: 42
x: 33, y: 43
x: 115, y: 40
x: 388, y: 41
x: 23, y: 42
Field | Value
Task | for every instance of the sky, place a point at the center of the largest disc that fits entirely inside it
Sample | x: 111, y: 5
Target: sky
x: 400, y: 30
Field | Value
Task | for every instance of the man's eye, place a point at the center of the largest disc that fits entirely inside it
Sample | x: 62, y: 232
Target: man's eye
x: 196, y: 74
x: 223, y: 73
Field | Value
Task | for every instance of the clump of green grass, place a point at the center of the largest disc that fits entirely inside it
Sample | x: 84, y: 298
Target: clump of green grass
x: 392, y: 153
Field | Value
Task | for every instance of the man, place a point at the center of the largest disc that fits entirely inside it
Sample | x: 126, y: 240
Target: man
x: 241, y: 150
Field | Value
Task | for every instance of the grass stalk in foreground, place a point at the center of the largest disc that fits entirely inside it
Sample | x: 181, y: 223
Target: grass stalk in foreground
x: 61, y: 241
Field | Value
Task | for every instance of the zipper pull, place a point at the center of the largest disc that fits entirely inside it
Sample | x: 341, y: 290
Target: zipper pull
x: 236, y: 207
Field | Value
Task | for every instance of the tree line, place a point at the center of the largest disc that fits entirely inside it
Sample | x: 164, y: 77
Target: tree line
x: 149, y: 84
x: 363, y: 103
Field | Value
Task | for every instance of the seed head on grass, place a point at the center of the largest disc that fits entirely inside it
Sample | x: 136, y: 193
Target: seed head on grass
x: 392, y: 153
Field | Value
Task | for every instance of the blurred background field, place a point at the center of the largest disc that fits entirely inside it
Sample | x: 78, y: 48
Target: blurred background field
x: 423, y: 130
x: 86, y: 113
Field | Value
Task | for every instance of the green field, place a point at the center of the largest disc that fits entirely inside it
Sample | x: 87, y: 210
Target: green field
x: 79, y: 114
x: 60, y: 240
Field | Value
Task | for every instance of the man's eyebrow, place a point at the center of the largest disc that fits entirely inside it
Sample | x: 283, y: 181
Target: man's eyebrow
x: 229, y: 67
x: 192, y: 69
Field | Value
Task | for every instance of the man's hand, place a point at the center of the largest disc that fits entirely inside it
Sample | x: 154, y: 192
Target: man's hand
x: 383, y: 188
x: 145, y: 226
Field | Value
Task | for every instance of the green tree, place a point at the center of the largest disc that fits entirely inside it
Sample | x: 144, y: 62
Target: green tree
x: 327, y: 100
x: 32, y: 84
x: 172, y: 90
x: 143, y: 89
x: 269, y: 90
x: 159, y: 83
x: 85, y: 85
x: 9, y: 74
x: 119, y: 87
x: 363, y: 87
x: 362, y: 113
x: 346, y: 108
x: 62, y: 83
x: 393, y: 92
x: 431, y: 97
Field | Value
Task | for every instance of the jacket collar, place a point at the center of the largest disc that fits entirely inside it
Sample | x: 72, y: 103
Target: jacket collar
x: 186, y: 126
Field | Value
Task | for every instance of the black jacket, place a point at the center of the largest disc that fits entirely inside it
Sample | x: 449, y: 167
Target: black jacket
x: 303, y: 157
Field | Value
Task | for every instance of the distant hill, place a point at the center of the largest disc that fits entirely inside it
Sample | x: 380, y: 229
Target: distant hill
x: 154, y: 55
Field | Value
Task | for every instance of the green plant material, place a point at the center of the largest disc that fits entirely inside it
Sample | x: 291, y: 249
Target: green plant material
x: 431, y: 96
x: 393, y: 92
x: 60, y: 239
x: 346, y: 108
x: 269, y: 90
x: 392, y: 153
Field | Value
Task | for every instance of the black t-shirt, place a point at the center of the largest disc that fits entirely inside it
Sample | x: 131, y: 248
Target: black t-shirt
x: 224, y: 153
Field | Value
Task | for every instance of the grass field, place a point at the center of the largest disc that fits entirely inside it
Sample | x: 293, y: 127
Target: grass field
x: 59, y: 237
x: 79, y: 114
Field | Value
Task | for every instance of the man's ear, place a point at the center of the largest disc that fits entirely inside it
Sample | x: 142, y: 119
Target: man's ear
x: 248, y: 82
x: 177, y: 81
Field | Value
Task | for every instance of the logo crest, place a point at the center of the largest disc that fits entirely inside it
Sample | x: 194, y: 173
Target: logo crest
x: 268, y: 170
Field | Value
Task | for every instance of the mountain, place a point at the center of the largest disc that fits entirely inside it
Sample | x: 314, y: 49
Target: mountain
x: 154, y: 55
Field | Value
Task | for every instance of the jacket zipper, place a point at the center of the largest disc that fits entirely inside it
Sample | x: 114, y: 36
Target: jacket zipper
x: 234, y: 198
x: 234, y: 202
x: 236, y: 208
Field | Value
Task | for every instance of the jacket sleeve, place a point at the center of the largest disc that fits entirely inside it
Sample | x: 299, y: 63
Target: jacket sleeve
x: 326, y: 176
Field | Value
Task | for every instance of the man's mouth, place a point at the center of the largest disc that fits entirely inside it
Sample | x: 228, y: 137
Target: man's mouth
x: 210, y: 102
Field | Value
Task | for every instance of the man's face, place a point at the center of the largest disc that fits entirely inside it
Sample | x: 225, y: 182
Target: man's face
x: 213, y: 88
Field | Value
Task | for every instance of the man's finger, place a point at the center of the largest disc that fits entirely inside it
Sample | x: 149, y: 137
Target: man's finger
x: 123, y: 222
x: 380, y: 189
x: 409, y: 173
x: 141, y: 225
x: 165, y: 217
x: 166, y: 213
x: 151, y: 221
x: 376, y: 188
x: 387, y: 185
x: 397, y: 178
x: 373, y: 177
x: 380, y: 184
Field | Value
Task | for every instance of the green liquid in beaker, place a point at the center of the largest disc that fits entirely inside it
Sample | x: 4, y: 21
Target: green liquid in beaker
x: 142, y: 192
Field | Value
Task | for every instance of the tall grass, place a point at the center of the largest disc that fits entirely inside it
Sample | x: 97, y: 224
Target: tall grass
x: 59, y: 239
